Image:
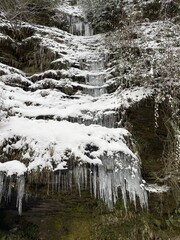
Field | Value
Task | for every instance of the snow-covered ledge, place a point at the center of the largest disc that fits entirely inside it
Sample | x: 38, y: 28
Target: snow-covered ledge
x: 99, y: 154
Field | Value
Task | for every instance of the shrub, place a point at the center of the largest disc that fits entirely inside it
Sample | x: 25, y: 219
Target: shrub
x: 104, y: 15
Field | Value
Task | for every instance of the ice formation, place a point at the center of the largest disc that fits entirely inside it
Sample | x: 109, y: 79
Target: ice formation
x: 105, y: 181
x: 1, y: 184
x: 73, y: 138
x: 20, y: 193
x: 8, y: 171
x: 80, y: 27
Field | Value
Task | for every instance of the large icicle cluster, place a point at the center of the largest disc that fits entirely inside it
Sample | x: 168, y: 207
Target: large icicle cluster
x: 12, y: 175
x: 105, y: 181
x: 49, y: 145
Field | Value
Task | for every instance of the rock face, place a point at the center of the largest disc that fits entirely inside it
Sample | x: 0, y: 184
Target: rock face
x: 83, y: 111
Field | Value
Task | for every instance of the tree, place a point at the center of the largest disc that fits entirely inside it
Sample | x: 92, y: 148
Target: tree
x: 15, y: 12
x: 24, y: 10
x: 104, y: 15
x: 159, y: 69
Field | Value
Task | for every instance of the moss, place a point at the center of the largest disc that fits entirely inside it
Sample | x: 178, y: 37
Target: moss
x: 14, y: 227
x: 150, y: 141
x: 67, y: 216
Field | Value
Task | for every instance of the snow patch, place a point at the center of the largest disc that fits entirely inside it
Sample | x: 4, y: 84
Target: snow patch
x: 13, y: 167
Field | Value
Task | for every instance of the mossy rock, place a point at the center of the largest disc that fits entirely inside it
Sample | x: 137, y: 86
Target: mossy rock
x: 16, y: 32
x: 28, y: 56
x: 150, y: 141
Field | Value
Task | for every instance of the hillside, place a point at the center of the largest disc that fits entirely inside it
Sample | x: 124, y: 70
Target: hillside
x: 90, y: 107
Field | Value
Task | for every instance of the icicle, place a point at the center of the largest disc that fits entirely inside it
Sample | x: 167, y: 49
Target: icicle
x: 120, y: 181
x: 59, y: 181
x: 53, y: 182
x: 63, y: 181
x: 9, y: 189
x: 77, y: 175
x: 48, y: 183
x: 79, y: 27
x: 56, y: 182
x: 90, y: 181
x: 120, y: 172
x: 1, y: 185
x: 88, y: 31
x: 106, y: 186
x: 20, y: 193
x: 70, y: 179
x: 67, y: 181
x: 85, y: 177
x: 95, y: 181
x: 80, y: 177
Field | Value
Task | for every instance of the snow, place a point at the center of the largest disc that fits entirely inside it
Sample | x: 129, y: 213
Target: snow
x: 134, y: 95
x: 157, y: 34
x: 62, y: 137
x: 49, y: 144
x: 15, y: 79
x: 72, y: 10
x: 10, y: 70
x: 49, y: 102
x: 13, y: 167
x: 154, y: 188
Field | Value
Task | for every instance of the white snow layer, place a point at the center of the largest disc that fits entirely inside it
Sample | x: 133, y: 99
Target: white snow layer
x: 51, y: 140
x: 13, y: 167
x: 154, y: 188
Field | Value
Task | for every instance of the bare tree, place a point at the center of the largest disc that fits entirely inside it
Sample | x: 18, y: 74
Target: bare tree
x: 14, y: 12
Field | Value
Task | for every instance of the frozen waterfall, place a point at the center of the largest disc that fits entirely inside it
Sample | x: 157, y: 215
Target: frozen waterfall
x: 68, y: 139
